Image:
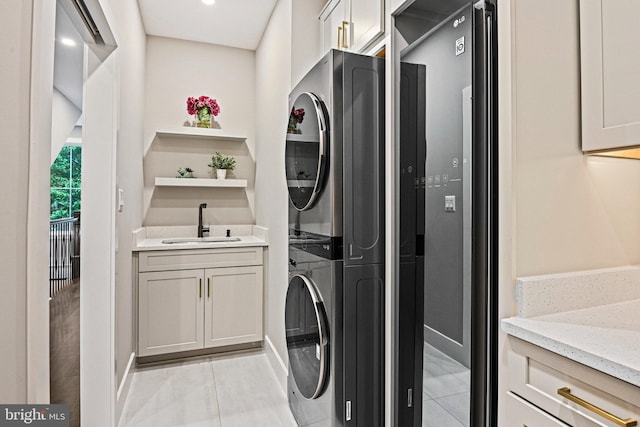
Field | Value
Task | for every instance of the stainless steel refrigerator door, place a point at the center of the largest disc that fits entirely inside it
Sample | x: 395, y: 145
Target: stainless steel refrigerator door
x: 460, y: 292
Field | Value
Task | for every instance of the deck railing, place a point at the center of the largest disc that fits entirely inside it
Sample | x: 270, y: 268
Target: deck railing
x: 64, y: 253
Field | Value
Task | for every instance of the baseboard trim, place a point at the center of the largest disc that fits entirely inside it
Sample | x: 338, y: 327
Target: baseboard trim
x: 277, y: 364
x: 125, y: 385
x: 448, y: 346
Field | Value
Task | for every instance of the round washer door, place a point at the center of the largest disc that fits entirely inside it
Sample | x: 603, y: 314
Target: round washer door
x: 306, y: 150
x: 307, y: 336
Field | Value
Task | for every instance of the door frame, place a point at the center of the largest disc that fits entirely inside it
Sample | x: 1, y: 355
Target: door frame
x: 41, y: 98
x: 97, y: 331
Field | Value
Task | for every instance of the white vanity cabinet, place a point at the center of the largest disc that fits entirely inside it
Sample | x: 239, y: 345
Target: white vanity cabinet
x: 521, y: 413
x: 610, y: 66
x: 351, y: 24
x: 198, y: 299
x: 535, y: 377
x: 233, y: 306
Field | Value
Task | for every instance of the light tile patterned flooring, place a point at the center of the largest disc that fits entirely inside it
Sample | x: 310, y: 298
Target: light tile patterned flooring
x: 241, y: 390
x: 225, y: 391
x: 445, y: 391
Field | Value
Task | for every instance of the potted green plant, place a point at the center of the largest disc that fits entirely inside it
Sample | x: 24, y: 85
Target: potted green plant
x: 185, y: 173
x: 221, y: 164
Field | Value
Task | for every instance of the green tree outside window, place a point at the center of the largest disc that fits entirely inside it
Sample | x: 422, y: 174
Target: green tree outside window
x: 66, y: 182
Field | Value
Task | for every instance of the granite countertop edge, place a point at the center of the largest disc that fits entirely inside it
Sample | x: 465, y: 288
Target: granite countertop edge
x: 545, y: 333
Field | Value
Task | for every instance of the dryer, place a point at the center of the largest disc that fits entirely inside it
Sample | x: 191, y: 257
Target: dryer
x: 334, y: 160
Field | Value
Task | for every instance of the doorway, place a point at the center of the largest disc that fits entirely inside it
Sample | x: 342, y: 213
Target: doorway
x: 64, y: 228
x: 91, y: 370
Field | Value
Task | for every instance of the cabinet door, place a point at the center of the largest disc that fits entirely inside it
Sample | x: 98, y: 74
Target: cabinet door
x: 521, y: 413
x: 170, y: 311
x: 363, y: 149
x: 366, y: 23
x: 363, y: 324
x: 331, y: 19
x: 233, y: 306
x: 609, y: 39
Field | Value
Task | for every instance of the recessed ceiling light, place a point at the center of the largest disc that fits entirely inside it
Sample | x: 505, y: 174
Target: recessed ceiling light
x: 208, y: 2
x: 67, y: 41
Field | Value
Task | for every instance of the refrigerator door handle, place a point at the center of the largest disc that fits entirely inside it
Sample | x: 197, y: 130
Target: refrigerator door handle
x: 485, y: 217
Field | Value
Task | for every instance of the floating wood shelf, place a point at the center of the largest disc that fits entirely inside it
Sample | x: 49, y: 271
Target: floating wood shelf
x: 203, y: 133
x: 200, y: 182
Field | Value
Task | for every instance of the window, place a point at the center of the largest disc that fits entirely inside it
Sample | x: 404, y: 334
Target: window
x: 65, y: 182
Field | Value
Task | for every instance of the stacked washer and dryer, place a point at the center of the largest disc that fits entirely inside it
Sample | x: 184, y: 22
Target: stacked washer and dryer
x: 334, y: 315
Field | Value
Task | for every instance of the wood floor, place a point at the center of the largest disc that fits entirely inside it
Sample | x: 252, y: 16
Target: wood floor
x: 64, y: 349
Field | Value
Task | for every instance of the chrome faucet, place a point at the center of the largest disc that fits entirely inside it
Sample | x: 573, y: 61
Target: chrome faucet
x: 201, y: 228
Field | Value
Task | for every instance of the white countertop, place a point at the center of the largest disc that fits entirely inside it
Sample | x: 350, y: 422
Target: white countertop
x: 150, y: 238
x: 606, y: 338
x: 604, y: 333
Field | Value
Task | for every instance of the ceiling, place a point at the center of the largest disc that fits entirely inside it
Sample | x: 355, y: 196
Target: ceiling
x: 235, y: 23
x: 68, y: 60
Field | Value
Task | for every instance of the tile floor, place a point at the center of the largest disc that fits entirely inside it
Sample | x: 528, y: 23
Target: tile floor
x: 64, y: 349
x: 241, y: 390
x: 223, y: 391
x: 445, y: 391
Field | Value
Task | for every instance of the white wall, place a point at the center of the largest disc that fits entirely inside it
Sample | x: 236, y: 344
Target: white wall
x: 15, y: 50
x: 64, y: 117
x: 175, y: 70
x: 131, y: 37
x: 306, y: 43
x: 572, y: 212
x: 560, y: 211
x: 288, y: 49
x: 273, y: 83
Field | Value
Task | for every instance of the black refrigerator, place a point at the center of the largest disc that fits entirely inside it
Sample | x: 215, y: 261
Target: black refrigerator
x: 446, y: 371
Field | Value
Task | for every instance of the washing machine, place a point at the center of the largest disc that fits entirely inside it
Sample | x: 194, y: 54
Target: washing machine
x: 313, y: 338
x: 334, y: 316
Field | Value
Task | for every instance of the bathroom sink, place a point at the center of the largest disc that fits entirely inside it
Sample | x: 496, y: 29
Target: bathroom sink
x: 201, y: 240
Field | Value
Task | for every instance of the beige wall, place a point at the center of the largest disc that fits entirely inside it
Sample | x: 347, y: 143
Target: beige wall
x: 64, y: 117
x: 131, y: 55
x: 572, y: 212
x: 273, y: 82
x: 560, y: 211
x: 175, y: 70
x: 288, y: 50
x: 15, y: 50
x: 306, y: 43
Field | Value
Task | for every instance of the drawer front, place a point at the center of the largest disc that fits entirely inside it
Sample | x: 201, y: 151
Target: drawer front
x: 521, y: 413
x: 199, y: 258
x: 536, y: 375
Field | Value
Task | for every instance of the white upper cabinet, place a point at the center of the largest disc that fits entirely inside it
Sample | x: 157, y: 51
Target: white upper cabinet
x: 331, y: 18
x: 367, y: 22
x: 351, y: 24
x: 610, y: 68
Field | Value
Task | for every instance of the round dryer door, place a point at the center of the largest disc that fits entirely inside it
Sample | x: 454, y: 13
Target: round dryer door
x: 307, y: 336
x: 306, y: 150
